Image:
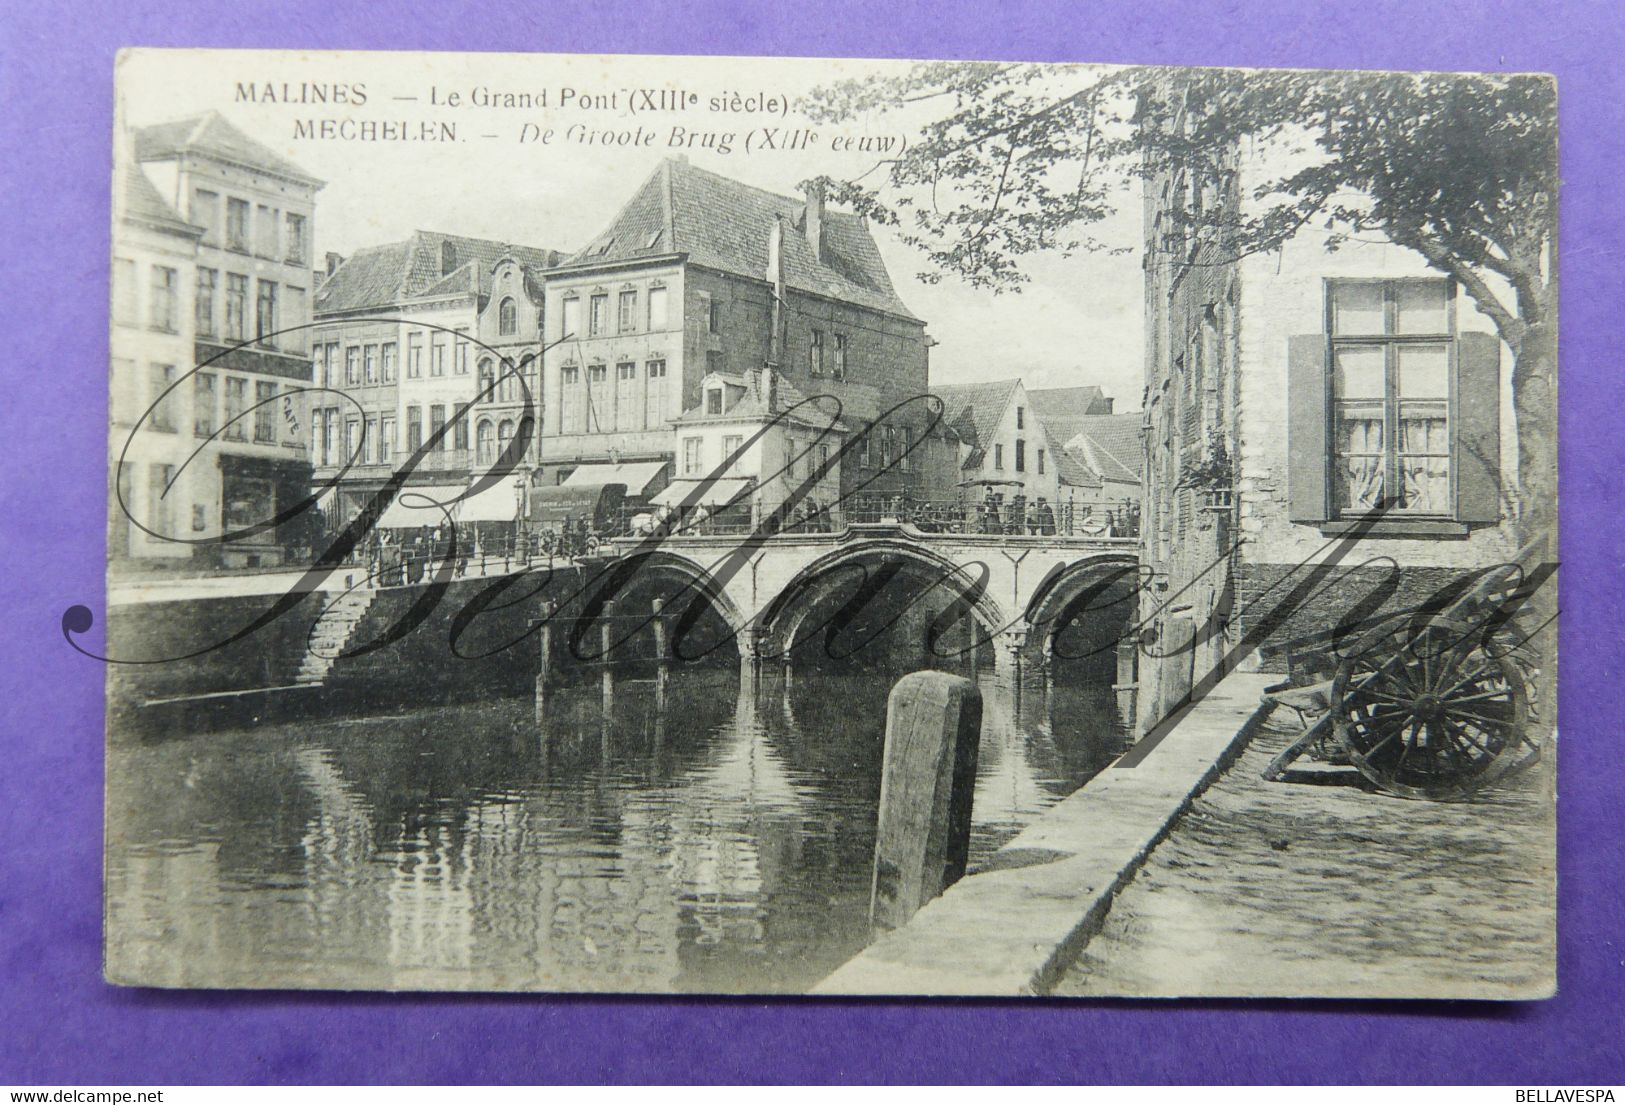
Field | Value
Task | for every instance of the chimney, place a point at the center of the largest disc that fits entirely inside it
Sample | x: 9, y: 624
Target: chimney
x: 815, y: 219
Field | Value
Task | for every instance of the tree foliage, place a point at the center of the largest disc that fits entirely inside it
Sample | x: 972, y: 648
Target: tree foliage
x: 1025, y: 158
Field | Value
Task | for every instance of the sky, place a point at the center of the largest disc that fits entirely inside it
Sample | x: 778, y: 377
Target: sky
x: 1077, y: 321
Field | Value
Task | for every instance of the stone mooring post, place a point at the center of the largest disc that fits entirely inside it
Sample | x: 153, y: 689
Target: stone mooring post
x: 933, y: 725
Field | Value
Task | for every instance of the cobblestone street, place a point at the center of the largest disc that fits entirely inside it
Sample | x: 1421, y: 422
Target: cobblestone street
x: 1329, y: 888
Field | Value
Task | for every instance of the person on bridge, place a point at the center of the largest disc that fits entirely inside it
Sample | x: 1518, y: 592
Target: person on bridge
x: 1044, y: 516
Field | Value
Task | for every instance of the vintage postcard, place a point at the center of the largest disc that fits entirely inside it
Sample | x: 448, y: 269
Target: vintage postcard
x: 699, y: 524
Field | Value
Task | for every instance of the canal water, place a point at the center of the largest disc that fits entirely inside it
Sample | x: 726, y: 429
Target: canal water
x: 722, y: 843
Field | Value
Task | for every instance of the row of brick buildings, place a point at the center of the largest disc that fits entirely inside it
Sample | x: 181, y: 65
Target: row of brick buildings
x: 709, y: 319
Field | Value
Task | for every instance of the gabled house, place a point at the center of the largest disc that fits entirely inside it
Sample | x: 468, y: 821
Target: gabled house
x: 211, y: 261
x: 1111, y: 447
x: 679, y: 289
x: 408, y: 337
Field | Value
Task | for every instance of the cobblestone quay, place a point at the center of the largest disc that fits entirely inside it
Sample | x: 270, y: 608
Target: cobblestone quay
x: 1327, y: 888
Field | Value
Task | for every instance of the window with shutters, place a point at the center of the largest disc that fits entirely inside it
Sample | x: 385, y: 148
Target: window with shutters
x: 1392, y: 406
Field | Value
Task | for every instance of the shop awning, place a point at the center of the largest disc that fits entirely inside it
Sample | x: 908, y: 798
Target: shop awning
x: 636, y: 475
x: 497, y: 503
x: 415, y: 506
x: 716, y: 493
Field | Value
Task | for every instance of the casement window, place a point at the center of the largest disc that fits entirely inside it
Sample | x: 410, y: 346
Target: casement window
x: 459, y: 363
x: 352, y: 365
x: 866, y: 449
x: 414, y: 429
x: 597, y: 315
x: 459, y: 427
x: 125, y: 293
x: 352, y: 443
x: 203, y: 404
x: 571, y: 418
x: 161, y: 312
x: 296, y: 239
x: 504, y: 436
x: 1392, y: 404
x: 485, y: 439
x: 905, y: 455
x: 265, y: 228
x: 1021, y: 421
x: 626, y: 320
x: 815, y: 353
x: 570, y: 318
x: 598, y: 408
x: 998, y: 457
x: 508, y: 317
x: 487, y: 380
x: 731, y: 444
x: 160, y: 478
x: 236, y: 407
x: 162, y: 400
x: 386, y: 439
x: 369, y: 434
x: 691, y: 456
x: 838, y: 368
x: 369, y: 360
x: 236, y: 306
x: 437, y: 426
x: 414, y: 355
x: 1040, y: 462
x: 654, y: 399
x: 713, y: 400
x: 330, y: 364
x: 388, y: 357
x: 657, y: 308
x: 237, y: 225
x: 437, y: 355
x: 265, y: 324
x: 265, y: 412
x: 207, y: 281
x: 885, y: 447
x: 204, y: 211
x: 1021, y: 448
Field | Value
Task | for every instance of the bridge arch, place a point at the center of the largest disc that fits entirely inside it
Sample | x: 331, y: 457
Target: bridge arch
x: 1096, y: 597
x: 699, y: 610
x: 783, y: 623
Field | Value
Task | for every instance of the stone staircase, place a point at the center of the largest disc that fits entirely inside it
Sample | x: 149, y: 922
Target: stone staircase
x: 331, y: 633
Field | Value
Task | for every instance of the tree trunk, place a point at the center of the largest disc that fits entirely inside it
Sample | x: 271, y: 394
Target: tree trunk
x: 1534, y: 402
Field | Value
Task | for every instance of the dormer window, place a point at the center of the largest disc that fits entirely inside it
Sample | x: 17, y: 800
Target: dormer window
x: 448, y: 258
x: 713, y: 401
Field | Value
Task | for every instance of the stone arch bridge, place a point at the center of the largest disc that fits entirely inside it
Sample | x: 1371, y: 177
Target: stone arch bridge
x: 1012, y: 593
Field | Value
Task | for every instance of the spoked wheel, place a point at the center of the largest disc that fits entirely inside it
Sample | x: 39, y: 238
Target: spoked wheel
x: 1427, y: 711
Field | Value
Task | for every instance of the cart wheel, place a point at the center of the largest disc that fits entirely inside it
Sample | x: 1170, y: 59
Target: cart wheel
x: 1427, y: 711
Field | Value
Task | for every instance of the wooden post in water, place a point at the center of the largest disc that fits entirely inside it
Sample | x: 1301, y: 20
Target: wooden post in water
x: 933, y: 725
x: 606, y: 634
x: 662, y: 657
x: 544, y: 659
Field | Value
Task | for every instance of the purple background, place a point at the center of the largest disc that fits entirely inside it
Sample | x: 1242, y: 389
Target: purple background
x: 62, y: 1024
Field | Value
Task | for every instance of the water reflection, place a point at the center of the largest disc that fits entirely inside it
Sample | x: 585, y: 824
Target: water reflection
x: 720, y: 844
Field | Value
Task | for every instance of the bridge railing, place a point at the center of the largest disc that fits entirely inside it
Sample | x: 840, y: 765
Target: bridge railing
x: 1014, y: 517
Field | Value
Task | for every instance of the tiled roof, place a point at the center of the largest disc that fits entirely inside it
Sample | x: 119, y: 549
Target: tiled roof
x: 378, y: 276
x: 210, y: 134
x: 1072, y: 469
x: 973, y: 410
x: 142, y: 203
x: 723, y: 224
x: 374, y: 276
x: 1061, y: 410
x: 1111, y: 444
